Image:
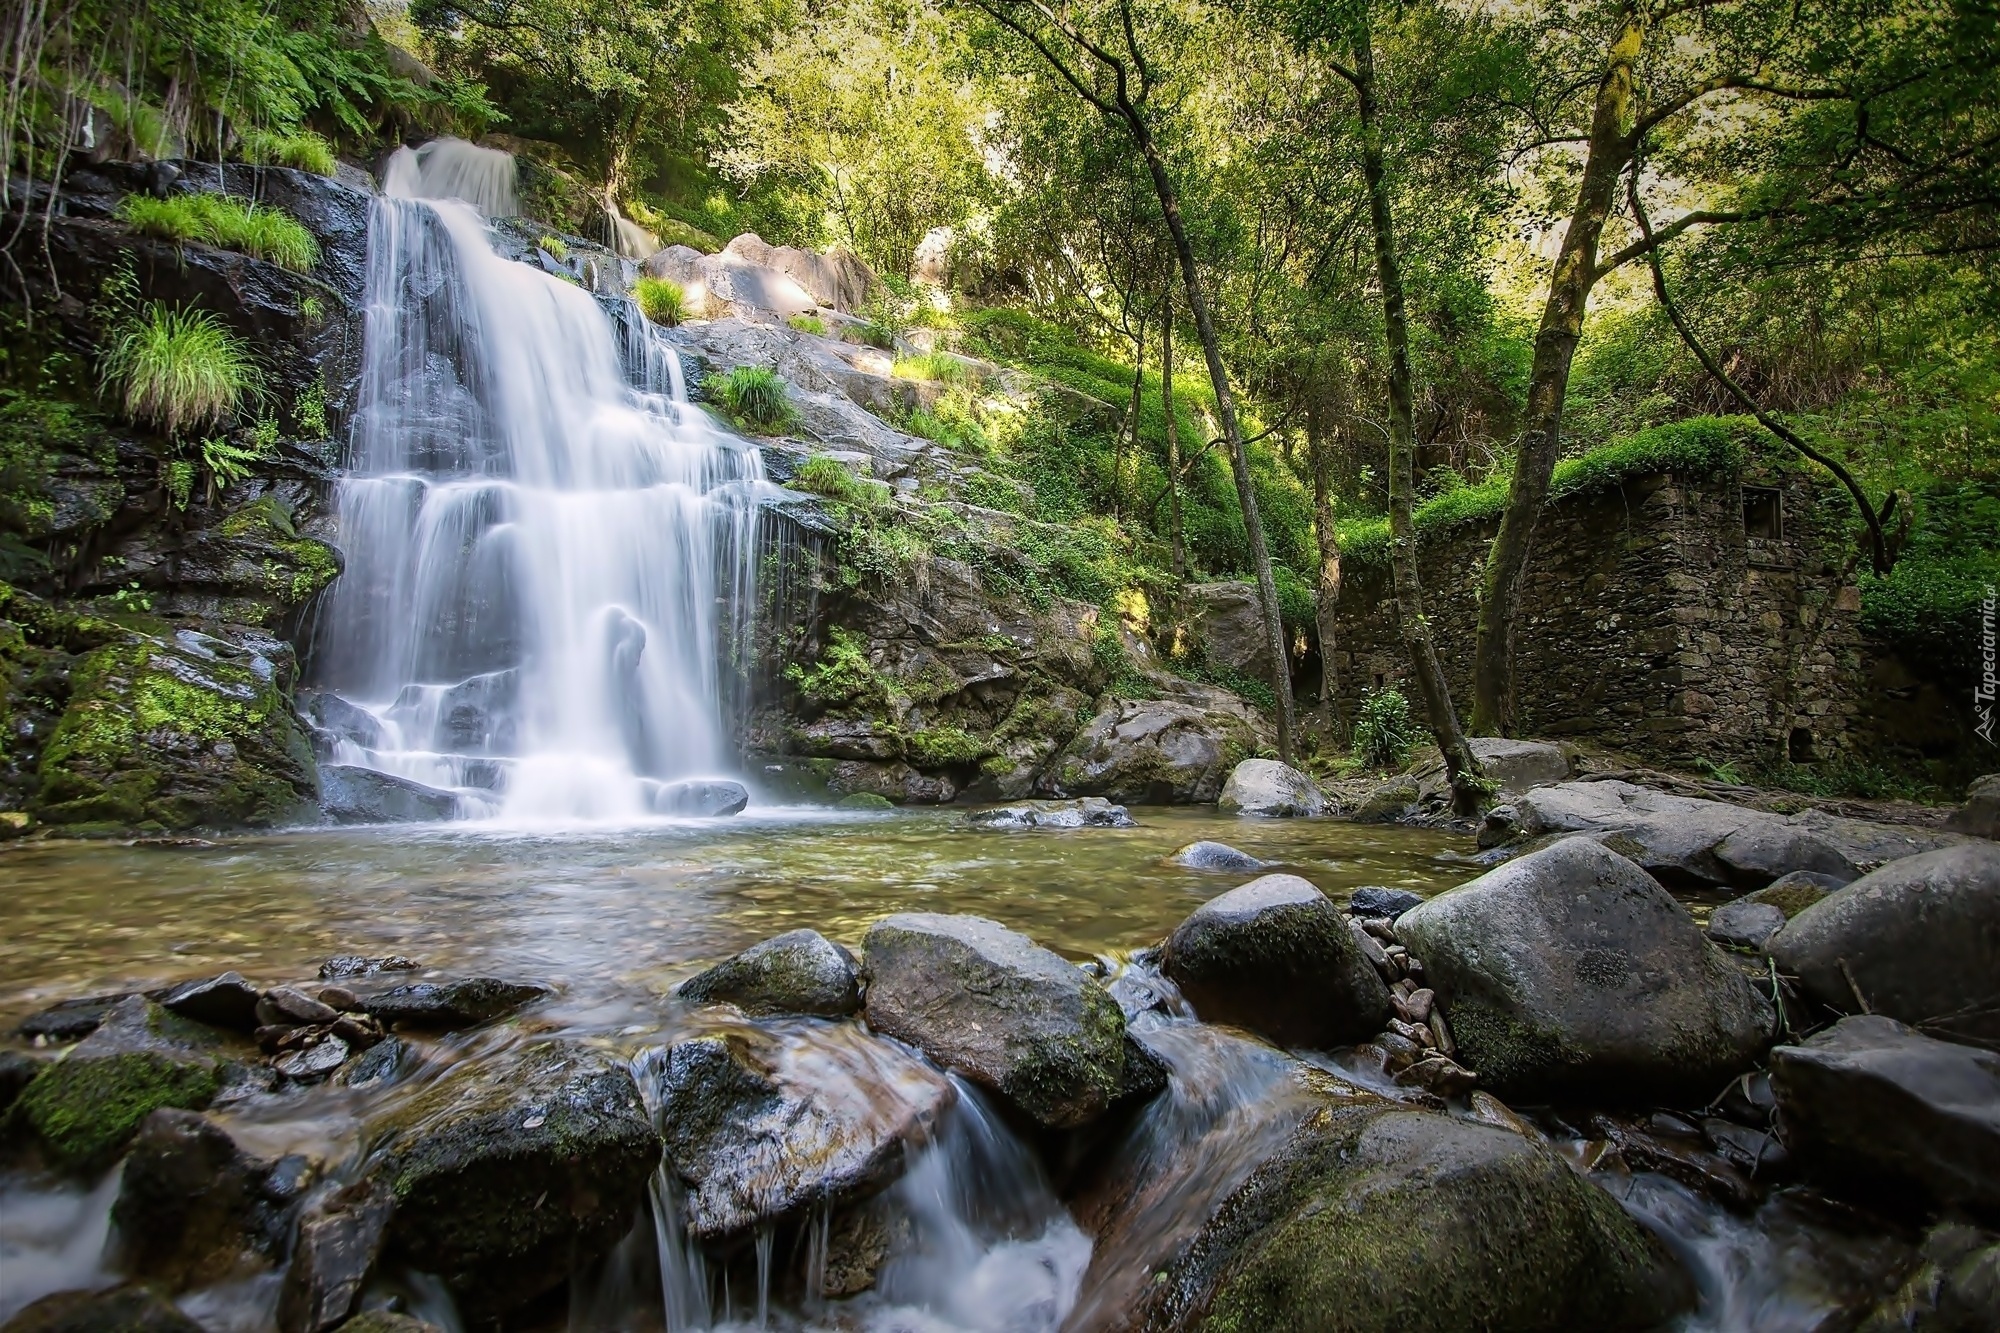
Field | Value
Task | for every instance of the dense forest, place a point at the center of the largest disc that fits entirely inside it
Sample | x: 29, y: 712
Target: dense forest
x: 1342, y: 274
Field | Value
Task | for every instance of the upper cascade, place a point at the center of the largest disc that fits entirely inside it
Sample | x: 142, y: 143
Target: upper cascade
x: 548, y: 549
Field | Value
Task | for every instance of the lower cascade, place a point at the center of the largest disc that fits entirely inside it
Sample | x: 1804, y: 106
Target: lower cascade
x: 548, y: 548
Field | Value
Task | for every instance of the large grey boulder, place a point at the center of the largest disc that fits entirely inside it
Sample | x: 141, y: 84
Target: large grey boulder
x: 798, y: 972
x: 1919, y: 940
x: 763, y: 1126
x: 1872, y: 1103
x: 1226, y: 622
x: 1682, y: 840
x: 1514, y: 766
x: 999, y: 1009
x: 509, y: 1170
x: 1153, y: 752
x: 1571, y: 971
x: 1267, y: 787
x: 1277, y: 957
x: 698, y: 798
x: 351, y: 794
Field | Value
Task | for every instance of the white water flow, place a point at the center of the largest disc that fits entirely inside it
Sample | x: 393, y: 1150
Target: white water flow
x: 549, y: 552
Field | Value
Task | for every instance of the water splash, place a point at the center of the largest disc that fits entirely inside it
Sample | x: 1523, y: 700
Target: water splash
x: 454, y: 169
x: 549, y: 552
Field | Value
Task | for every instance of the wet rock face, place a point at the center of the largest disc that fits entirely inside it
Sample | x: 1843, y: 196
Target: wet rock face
x: 338, y: 1242
x: 1570, y: 970
x: 1153, y: 752
x: 699, y: 799
x: 225, y: 1001
x: 1277, y: 957
x: 507, y: 1171
x: 1085, y: 812
x: 130, y: 1308
x: 1955, y: 1287
x: 761, y: 1126
x: 1919, y: 939
x: 799, y: 972
x: 1871, y: 1102
x: 1267, y: 787
x: 1745, y: 925
x: 999, y: 1009
x: 85, y: 1107
x: 1219, y: 856
x: 193, y: 1208
x: 1373, y: 900
x: 445, y: 1005
x: 354, y: 795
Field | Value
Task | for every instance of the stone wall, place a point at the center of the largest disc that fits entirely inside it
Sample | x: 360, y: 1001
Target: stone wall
x: 1656, y: 620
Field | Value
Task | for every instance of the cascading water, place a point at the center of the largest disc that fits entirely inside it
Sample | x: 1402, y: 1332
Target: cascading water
x: 547, y: 549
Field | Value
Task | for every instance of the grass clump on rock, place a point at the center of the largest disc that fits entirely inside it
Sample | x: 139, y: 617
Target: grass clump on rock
x: 228, y: 224
x: 661, y: 301
x: 301, y: 149
x: 831, y: 479
x: 177, y: 369
x: 756, y: 398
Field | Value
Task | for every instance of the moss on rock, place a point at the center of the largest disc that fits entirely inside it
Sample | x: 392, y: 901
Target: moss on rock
x: 85, y: 1107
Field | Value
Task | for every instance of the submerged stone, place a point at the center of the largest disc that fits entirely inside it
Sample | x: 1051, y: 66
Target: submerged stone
x: 1207, y: 855
x: 799, y: 972
x: 444, y: 1005
x: 703, y: 798
x: 1086, y: 812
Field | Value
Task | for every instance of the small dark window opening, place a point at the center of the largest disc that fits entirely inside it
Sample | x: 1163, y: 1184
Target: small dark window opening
x: 1799, y: 746
x: 1378, y: 680
x: 1763, y: 513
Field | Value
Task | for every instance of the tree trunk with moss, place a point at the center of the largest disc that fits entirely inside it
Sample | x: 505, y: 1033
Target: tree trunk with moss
x: 1173, y: 433
x: 1320, y: 453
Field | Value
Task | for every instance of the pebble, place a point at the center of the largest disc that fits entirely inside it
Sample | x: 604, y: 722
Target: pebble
x: 1490, y: 1110
x: 1380, y: 927
x: 341, y: 998
x: 309, y: 1064
x: 1446, y: 1078
x: 1420, y: 1001
x: 282, y: 1004
x: 1410, y: 1032
x: 1398, y: 1052
x: 1440, y: 1032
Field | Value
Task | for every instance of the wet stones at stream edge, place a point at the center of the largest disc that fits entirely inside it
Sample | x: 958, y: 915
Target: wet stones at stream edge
x: 1954, y: 1288
x: 338, y: 1241
x: 1875, y: 1105
x: 762, y: 1125
x: 129, y: 1308
x: 1745, y: 925
x: 1570, y: 971
x: 1277, y: 957
x: 1085, y: 812
x: 194, y: 1209
x: 1375, y: 901
x: 508, y: 1171
x: 1917, y: 940
x: 354, y: 795
x: 442, y: 1006
x: 799, y: 972
x: 1219, y: 856
x: 698, y: 798
x: 994, y: 1006
x: 1271, y: 789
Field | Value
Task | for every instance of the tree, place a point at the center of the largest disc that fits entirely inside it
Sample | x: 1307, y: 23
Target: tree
x: 1119, y: 86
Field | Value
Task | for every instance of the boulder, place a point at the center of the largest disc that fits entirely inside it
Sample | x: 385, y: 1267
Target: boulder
x: 445, y: 1005
x: 1745, y: 925
x: 798, y: 972
x: 1794, y: 893
x: 1388, y: 802
x: 999, y: 1009
x: 1980, y: 815
x: 699, y: 798
x: 1516, y: 766
x: 1376, y: 901
x: 1954, y: 1288
x: 1396, y: 1219
x: 1277, y: 957
x: 509, y: 1170
x: 193, y: 1208
x: 1153, y: 752
x: 70, y: 1020
x: 894, y: 781
x: 1684, y: 841
x: 351, y: 794
x: 1086, y: 812
x: 1571, y: 971
x: 1267, y: 787
x: 226, y: 1001
x: 131, y: 1308
x: 84, y: 1108
x: 338, y: 1242
x: 1227, y: 626
x: 763, y: 1126
x: 1221, y: 856
x: 1917, y: 940
x: 1872, y: 1104
x: 17, y: 1071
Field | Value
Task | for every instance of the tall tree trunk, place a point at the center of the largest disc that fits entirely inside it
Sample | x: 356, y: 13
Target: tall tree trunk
x: 1570, y: 281
x: 1466, y: 789
x: 1173, y: 431
x: 1232, y: 433
x: 1321, y: 450
x: 1132, y: 420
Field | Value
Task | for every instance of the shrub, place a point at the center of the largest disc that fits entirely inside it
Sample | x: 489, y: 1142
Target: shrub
x: 302, y: 149
x: 177, y: 369
x: 940, y: 366
x: 661, y: 301
x: 756, y: 398
x: 229, y: 224
x: 812, y: 324
x: 1384, y: 733
x: 874, y: 334
x: 833, y: 480
x: 555, y: 248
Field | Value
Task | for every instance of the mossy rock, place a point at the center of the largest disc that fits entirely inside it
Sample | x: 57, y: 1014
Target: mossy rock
x: 180, y: 729
x: 85, y: 1108
x: 1374, y: 1220
x: 864, y: 800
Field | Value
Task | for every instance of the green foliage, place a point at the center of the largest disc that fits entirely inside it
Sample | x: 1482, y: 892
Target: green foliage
x: 940, y: 367
x: 843, y: 677
x: 1298, y: 604
x: 1384, y: 732
x: 230, y: 224
x: 1929, y: 604
x: 944, y: 746
x: 756, y: 399
x: 554, y: 247
x: 309, y: 412
x: 302, y: 149
x: 228, y: 463
x: 834, y: 480
x: 312, y: 310
x: 812, y: 324
x: 177, y: 369
x: 660, y: 300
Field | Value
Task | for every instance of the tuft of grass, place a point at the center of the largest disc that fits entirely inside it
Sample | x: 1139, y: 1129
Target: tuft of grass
x: 812, y: 324
x: 941, y: 367
x: 661, y: 301
x: 555, y: 248
x: 229, y: 224
x: 831, y: 479
x: 301, y: 149
x: 177, y: 369
x: 757, y: 399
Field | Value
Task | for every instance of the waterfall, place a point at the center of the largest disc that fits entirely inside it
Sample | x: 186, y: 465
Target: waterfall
x: 548, y: 551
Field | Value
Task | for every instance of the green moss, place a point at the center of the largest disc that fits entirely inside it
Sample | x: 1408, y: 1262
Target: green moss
x: 1501, y: 1049
x: 1791, y: 899
x: 937, y: 747
x: 865, y: 800
x: 84, y: 1109
x: 843, y: 678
